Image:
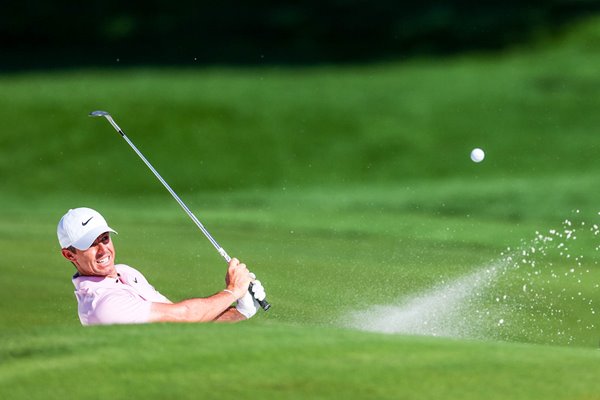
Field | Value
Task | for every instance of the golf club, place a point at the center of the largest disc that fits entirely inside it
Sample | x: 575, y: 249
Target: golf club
x: 264, y: 304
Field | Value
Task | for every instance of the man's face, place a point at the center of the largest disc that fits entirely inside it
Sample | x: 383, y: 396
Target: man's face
x: 98, y: 260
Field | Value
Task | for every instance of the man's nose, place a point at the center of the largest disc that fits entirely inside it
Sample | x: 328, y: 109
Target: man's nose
x: 101, y: 248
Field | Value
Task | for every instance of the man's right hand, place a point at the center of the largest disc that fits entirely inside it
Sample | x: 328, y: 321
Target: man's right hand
x: 238, y: 278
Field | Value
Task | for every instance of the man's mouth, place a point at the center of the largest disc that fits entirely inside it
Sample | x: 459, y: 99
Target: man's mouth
x: 103, y: 260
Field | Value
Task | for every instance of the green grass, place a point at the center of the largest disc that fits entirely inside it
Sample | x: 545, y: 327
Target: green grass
x: 343, y: 189
x: 283, y: 361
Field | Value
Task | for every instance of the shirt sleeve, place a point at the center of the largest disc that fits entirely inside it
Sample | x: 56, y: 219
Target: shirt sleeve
x: 121, y: 307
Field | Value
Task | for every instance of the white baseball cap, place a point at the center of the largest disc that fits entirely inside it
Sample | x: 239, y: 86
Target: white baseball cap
x: 79, y: 228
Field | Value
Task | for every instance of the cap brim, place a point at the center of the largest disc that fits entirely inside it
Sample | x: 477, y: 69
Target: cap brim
x: 86, y: 241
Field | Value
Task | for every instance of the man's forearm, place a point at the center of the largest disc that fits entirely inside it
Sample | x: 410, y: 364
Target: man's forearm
x: 213, y: 308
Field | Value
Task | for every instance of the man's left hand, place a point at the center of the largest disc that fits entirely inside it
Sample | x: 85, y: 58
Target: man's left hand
x: 248, y: 304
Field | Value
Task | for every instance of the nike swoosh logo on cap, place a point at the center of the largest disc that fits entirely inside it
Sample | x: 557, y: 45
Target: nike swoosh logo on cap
x: 86, y: 222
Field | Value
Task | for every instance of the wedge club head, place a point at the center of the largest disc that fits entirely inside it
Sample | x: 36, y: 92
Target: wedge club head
x: 99, y: 113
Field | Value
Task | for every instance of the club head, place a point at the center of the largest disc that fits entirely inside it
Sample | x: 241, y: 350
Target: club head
x: 99, y: 114
x: 105, y: 114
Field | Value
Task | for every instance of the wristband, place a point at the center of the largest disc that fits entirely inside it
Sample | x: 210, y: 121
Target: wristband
x: 229, y: 291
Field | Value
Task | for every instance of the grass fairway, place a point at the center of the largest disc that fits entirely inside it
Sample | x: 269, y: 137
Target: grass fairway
x: 349, y: 191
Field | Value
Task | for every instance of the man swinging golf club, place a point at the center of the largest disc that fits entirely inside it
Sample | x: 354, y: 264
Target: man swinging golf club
x: 109, y: 293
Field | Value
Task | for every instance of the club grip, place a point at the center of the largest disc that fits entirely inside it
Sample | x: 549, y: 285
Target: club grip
x: 263, y: 303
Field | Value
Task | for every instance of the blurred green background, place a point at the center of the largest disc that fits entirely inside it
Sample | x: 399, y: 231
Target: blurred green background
x: 327, y: 145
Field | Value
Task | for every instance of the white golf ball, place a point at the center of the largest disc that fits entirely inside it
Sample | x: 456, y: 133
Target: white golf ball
x: 477, y: 155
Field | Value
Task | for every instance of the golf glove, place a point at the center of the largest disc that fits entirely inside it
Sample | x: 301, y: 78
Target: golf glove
x: 248, y: 304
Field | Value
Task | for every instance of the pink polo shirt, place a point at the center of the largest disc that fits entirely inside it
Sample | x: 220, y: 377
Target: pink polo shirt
x: 123, y: 300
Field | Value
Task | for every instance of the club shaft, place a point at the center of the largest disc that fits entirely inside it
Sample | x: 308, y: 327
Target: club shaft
x: 212, y: 240
x: 264, y: 304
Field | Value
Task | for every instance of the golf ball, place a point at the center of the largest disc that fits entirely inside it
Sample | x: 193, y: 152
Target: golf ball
x: 477, y: 155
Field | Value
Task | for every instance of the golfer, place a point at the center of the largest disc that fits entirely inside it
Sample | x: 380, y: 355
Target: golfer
x: 109, y: 293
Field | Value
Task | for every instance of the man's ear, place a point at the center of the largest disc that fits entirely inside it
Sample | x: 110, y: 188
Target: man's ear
x: 68, y: 254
